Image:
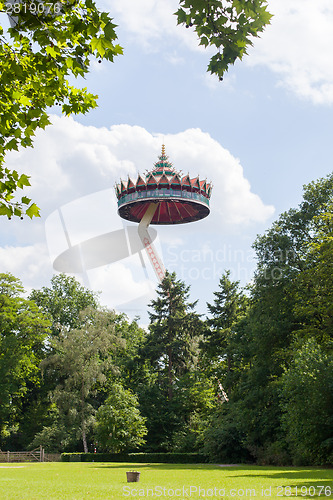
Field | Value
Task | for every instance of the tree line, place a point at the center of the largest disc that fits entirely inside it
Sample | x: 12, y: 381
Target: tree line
x: 252, y: 381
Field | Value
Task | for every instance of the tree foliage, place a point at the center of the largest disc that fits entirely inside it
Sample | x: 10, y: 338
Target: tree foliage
x: 174, y: 330
x: 314, y: 286
x: 119, y: 425
x: 23, y: 330
x: 273, y: 349
x: 227, y: 25
x: 307, y: 401
x: 220, y: 338
x: 82, y: 357
x: 47, y: 44
x: 63, y: 302
x: 176, y: 395
x: 290, y: 304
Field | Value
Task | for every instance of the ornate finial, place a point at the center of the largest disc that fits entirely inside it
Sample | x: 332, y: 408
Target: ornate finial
x: 163, y: 150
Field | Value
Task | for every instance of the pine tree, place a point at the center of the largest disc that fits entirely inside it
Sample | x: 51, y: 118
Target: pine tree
x: 228, y: 306
x: 174, y: 331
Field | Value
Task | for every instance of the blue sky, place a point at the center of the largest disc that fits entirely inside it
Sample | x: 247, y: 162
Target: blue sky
x: 258, y: 136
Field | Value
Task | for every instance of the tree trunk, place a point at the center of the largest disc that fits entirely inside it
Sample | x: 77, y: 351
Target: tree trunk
x: 84, y: 440
x: 84, y: 437
x: 229, y: 363
x: 170, y: 377
x: 170, y: 338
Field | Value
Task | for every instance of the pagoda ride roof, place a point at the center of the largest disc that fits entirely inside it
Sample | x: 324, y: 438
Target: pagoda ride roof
x: 179, y: 198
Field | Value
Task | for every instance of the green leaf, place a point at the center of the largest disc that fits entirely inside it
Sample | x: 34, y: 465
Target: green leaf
x: 4, y: 210
x: 181, y: 16
x: 44, y: 120
x: 23, y: 181
x: 97, y: 44
x: 51, y: 51
x: 12, y: 145
x: 33, y: 211
x: 24, y: 100
x: 109, y: 31
x: 204, y: 41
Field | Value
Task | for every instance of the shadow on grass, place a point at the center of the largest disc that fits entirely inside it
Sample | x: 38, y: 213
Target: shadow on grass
x: 159, y: 466
x: 297, y: 473
x: 243, y: 471
x: 309, y: 482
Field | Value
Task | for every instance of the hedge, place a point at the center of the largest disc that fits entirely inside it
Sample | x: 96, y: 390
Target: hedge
x: 164, y: 458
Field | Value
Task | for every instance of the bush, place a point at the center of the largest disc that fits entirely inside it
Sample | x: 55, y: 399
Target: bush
x: 224, y: 443
x: 271, y: 454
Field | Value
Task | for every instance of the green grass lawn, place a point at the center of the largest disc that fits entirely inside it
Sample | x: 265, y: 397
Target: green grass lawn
x: 107, y: 481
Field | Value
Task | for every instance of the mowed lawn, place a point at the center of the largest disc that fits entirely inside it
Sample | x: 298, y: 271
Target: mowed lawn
x: 107, y: 481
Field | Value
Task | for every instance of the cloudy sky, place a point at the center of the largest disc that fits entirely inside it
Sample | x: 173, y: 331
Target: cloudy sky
x: 259, y: 136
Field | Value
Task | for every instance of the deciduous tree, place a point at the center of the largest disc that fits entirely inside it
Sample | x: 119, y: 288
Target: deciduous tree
x: 47, y: 44
x: 314, y: 285
x: 23, y: 330
x: 307, y: 402
x: 119, y: 424
x: 81, y: 359
x: 63, y: 301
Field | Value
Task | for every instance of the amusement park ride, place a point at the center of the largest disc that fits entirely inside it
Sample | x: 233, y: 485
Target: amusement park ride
x: 162, y: 196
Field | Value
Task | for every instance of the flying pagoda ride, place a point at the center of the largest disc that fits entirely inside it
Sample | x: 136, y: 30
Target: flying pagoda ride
x: 162, y: 196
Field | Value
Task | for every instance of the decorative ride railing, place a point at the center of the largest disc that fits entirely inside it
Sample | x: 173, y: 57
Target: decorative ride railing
x: 163, y: 193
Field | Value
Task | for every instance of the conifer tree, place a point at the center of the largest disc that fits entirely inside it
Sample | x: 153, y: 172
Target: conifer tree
x: 228, y: 306
x: 174, y: 331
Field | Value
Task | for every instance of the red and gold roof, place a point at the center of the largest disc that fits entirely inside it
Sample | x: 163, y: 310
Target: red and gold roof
x: 180, y: 198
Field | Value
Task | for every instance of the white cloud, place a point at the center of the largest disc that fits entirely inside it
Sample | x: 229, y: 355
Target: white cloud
x: 118, y: 286
x: 232, y: 200
x: 151, y: 23
x: 297, y: 46
x: 31, y: 264
x: 69, y: 160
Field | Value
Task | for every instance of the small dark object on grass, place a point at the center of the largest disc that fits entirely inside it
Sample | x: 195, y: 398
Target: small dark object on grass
x: 133, y: 476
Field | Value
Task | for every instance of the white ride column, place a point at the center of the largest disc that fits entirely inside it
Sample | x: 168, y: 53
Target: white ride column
x: 153, y: 256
